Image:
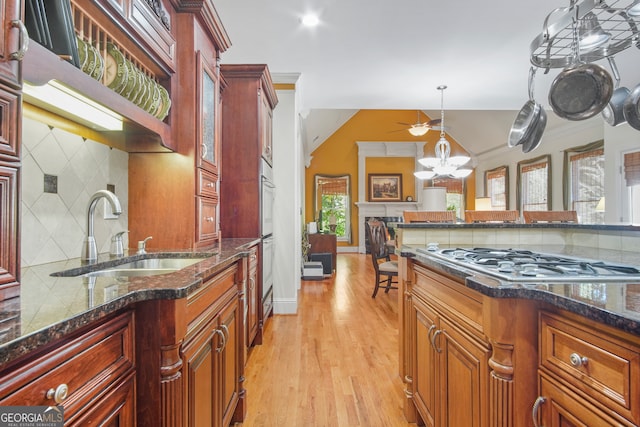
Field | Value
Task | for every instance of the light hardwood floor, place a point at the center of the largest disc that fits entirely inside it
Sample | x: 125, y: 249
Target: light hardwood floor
x: 335, y: 363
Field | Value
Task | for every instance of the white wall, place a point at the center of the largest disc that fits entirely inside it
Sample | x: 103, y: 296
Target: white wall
x: 554, y: 142
x: 287, y: 225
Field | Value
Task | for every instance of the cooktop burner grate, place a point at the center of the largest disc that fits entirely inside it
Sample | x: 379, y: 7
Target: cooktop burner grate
x: 525, y: 265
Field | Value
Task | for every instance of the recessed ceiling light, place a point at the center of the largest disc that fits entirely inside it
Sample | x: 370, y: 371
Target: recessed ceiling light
x: 310, y: 20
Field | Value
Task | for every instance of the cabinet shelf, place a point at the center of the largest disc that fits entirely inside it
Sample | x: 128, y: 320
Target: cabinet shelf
x: 142, y: 131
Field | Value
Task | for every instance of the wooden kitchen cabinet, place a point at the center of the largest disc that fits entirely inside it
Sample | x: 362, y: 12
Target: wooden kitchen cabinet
x: 324, y: 243
x: 12, y: 38
x: 588, y: 373
x: 192, y: 369
x: 252, y: 298
x: 95, y: 367
x: 248, y: 101
x: 450, y: 377
x: 11, y: 48
x: 182, y: 189
x: 211, y: 370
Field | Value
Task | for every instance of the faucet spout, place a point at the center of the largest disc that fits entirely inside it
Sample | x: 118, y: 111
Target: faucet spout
x: 89, y: 248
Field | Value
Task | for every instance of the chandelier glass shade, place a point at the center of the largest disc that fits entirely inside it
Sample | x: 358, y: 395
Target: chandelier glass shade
x: 443, y: 164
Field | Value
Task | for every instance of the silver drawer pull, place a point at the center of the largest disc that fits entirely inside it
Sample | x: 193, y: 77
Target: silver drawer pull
x: 208, y: 218
x: 24, y: 41
x: 536, y: 407
x: 577, y: 360
x: 433, y: 341
x: 59, y: 394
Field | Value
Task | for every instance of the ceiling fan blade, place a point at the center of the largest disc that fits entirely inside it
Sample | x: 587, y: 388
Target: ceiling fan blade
x: 434, y: 122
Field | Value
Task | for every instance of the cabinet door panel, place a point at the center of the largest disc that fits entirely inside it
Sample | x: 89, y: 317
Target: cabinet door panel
x: 464, y: 386
x: 229, y: 359
x: 9, y: 125
x: 8, y: 231
x: 208, y: 132
x: 200, y: 378
x: 425, y: 374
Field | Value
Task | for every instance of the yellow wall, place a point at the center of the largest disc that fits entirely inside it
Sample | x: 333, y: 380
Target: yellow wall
x: 338, y: 155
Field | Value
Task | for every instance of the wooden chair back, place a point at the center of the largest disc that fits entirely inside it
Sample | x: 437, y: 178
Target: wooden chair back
x: 531, y: 217
x: 491, y: 216
x: 429, y: 216
x: 377, y: 233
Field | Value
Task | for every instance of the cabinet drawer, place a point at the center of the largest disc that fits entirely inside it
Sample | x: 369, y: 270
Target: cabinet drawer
x: 203, y: 303
x: 207, y: 184
x: 597, y: 363
x: 453, y: 298
x: 207, y: 219
x: 87, y: 365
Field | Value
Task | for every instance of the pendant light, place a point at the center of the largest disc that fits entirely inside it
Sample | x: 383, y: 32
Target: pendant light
x: 443, y: 164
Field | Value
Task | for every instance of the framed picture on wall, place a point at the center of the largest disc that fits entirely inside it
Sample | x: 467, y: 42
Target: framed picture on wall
x: 385, y: 187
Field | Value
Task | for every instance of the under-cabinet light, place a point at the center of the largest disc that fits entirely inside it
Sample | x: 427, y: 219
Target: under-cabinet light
x: 68, y: 103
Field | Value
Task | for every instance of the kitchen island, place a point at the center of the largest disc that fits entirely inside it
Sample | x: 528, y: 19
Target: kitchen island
x: 120, y: 348
x: 497, y: 350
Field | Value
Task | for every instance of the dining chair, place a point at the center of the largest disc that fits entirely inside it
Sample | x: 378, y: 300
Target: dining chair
x: 532, y: 217
x: 429, y: 216
x: 491, y: 216
x: 385, y: 269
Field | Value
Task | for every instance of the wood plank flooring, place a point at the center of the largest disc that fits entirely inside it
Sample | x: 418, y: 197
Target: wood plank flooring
x: 334, y: 363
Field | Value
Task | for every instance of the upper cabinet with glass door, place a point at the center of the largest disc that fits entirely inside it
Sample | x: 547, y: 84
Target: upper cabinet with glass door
x: 208, y: 134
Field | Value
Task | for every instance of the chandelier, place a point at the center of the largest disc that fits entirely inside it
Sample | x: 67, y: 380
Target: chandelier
x: 443, y: 164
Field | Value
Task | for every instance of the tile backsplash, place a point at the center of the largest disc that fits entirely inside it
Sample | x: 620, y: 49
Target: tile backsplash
x: 54, y: 224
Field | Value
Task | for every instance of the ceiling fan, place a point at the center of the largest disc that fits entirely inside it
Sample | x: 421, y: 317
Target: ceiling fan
x: 420, y: 128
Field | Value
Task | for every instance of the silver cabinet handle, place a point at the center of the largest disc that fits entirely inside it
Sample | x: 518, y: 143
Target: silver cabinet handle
x: 536, y: 407
x: 431, y: 328
x: 59, y: 394
x: 223, y: 340
x: 24, y: 40
x: 576, y: 360
x: 205, y: 150
x: 252, y: 283
x: 433, y: 341
x: 225, y: 330
x: 208, y: 218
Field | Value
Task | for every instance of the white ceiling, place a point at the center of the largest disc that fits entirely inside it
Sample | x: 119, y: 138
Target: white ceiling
x: 385, y: 54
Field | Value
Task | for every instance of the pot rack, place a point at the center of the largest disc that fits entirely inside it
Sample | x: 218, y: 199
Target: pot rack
x: 554, y: 48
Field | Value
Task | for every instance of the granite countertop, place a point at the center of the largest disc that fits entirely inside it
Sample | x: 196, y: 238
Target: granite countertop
x: 615, y: 304
x: 541, y: 225
x: 50, y: 307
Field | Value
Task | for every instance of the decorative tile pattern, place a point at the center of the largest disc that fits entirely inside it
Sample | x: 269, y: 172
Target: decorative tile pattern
x: 54, y: 225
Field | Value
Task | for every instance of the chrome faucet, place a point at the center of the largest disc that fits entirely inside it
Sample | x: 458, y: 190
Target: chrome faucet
x: 142, y: 246
x: 89, y: 249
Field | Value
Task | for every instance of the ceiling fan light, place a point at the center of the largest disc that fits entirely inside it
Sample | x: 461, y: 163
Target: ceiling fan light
x: 458, y: 160
x: 418, y: 130
x: 634, y: 10
x: 424, y: 174
x: 461, y: 173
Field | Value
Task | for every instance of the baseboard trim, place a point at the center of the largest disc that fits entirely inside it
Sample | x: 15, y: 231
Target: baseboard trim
x: 285, y: 306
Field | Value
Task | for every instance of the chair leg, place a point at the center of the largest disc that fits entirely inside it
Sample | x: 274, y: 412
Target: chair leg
x: 375, y: 290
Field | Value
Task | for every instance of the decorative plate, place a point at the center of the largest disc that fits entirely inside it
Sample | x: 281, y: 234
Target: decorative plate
x: 165, y: 103
x: 132, y: 80
x: 90, y: 63
x: 99, y: 67
x: 116, y: 69
x: 82, y: 52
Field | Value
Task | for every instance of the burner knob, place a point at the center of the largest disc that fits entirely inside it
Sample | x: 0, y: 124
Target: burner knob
x: 577, y: 360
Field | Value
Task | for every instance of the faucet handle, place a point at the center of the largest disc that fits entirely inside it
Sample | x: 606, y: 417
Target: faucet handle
x: 142, y: 245
x: 117, y: 246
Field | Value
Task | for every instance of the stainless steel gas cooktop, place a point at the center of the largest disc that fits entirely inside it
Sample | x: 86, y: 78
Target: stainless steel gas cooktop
x: 518, y: 265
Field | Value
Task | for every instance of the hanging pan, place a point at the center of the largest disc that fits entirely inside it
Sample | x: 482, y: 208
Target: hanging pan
x: 530, y: 121
x: 631, y: 108
x: 581, y: 90
x: 613, y: 113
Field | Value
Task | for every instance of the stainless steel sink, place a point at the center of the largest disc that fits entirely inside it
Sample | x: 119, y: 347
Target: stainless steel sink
x: 145, y: 267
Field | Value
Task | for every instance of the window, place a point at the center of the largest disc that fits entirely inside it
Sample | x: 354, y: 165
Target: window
x: 332, y: 206
x: 497, y: 187
x: 534, y: 184
x: 584, y: 181
x: 455, y: 193
x: 632, y: 180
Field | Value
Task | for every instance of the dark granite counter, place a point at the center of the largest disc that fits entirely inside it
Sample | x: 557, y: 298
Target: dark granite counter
x: 615, y: 304
x: 49, y: 307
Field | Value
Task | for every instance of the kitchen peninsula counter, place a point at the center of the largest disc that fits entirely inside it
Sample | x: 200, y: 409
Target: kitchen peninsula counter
x: 616, y: 304
x: 50, y: 307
